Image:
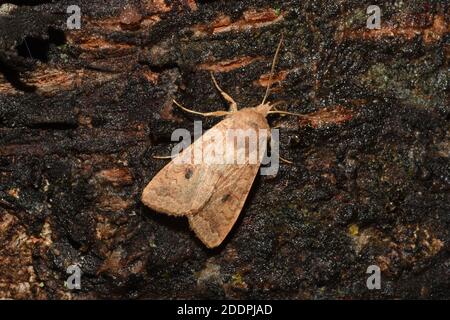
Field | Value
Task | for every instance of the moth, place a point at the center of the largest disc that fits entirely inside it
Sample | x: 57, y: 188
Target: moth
x: 211, y: 196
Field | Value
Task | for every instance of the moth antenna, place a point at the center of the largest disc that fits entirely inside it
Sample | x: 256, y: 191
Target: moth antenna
x: 272, y: 69
x: 288, y: 113
x: 285, y: 160
x: 204, y: 114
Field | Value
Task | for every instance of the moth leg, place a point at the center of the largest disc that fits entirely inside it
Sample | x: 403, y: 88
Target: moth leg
x: 281, y: 158
x: 162, y: 157
x: 205, y: 114
x: 276, y: 104
x: 226, y: 96
x: 285, y: 160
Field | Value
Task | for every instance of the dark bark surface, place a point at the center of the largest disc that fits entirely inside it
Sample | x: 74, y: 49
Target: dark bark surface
x: 82, y: 112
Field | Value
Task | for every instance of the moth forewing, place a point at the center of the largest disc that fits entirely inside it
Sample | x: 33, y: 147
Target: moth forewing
x: 263, y: 139
x: 215, y: 149
x: 216, y: 219
x: 184, y: 185
x: 244, y: 144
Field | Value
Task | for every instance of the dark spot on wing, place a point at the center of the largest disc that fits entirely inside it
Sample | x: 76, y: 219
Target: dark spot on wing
x: 225, y: 197
x: 188, y: 173
x: 253, y: 125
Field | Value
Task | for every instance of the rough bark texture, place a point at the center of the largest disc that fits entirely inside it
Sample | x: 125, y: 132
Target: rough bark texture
x: 82, y: 112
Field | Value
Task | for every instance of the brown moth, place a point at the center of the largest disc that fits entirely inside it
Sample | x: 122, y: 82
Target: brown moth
x: 212, y: 195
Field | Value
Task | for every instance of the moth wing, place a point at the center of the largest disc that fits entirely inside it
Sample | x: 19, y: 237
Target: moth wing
x: 213, y: 223
x: 184, y: 188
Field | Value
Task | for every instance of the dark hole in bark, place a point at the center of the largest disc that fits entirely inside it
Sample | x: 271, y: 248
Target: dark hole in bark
x: 12, y: 75
x: 55, y: 125
x: 30, y: 2
x: 38, y: 48
x: 56, y: 36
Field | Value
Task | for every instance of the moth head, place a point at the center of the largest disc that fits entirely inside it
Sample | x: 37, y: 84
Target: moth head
x: 264, y: 108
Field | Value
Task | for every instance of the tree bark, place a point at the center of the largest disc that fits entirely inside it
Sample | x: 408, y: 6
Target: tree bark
x: 83, y: 112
